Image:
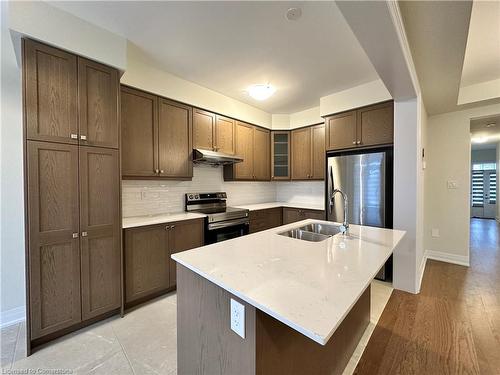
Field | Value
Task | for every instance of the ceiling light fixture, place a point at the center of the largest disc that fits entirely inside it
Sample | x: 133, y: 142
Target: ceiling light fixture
x: 479, y: 139
x: 491, y: 125
x: 261, y: 91
x: 293, y: 14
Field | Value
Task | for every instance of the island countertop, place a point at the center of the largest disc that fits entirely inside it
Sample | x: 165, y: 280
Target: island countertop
x: 309, y: 286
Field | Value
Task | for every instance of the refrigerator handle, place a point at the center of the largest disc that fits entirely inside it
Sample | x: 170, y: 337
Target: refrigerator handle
x: 330, y: 200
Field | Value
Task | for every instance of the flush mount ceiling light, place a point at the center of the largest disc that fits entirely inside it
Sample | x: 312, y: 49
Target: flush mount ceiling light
x: 261, y: 91
x: 491, y: 125
x: 293, y: 14
x: 479, y: 139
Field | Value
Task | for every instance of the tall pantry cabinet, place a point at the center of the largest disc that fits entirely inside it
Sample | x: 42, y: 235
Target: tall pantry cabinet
x: 72, y: 182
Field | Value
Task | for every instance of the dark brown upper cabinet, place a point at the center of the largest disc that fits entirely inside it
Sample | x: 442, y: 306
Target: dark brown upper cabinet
x: 203, y: 129
x: 175, y: 134
x: 213, y: 132
x: 51, y: 94
x: 224, y: 135
x: 364, y: 127
x: 100, y: 225
x: 139, y: 123
x: 280, y: 155
x: 69, y: 99
x: 98, y: 98
x: 261, y: 154
x: 157, y: 136
x: 308, y: 153
x: 253, y: 145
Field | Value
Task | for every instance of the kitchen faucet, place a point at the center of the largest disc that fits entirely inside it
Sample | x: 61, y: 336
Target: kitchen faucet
x: 344, y: 229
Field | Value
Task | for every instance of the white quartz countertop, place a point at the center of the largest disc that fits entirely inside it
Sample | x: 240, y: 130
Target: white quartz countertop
x: 263, y: 206
x: 139, y: 221
x: 309, y: 286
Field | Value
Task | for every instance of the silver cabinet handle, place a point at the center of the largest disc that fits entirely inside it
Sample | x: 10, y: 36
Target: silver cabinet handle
x: 353, y: 142
x: 84, y: 234
x: 75, y: 235
x: 157, y: 171
x: 74, y: 136
x: 167, y: 227
x: 162, y: 171
x: 83, y: 137
x: 358, y: 142
x: 172, y: 227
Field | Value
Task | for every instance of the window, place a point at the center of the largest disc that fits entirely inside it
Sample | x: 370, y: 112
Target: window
x: 484, y: 166
x: 477, y: 188
x: 493, y: 188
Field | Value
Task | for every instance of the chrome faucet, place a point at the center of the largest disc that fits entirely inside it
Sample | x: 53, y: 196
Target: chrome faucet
x: 344, y: 229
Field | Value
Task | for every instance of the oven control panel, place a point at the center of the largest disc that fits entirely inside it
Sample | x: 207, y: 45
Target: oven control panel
x: 192, y: 197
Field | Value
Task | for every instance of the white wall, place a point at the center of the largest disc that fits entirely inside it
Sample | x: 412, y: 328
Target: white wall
x: 143, y: 73
x: 12, y: 299
x: 498, y: 182
x: 448, y: 159
x: 39, y: 20
x: 307, y: 117
x: 355, y: 97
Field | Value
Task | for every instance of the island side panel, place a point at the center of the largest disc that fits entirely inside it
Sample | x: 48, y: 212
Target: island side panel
x: 284, y: 351
x: 205, y: 342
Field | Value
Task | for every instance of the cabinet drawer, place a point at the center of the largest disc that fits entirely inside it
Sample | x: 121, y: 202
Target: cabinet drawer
x: 291, y: 215
x: 265, y: 219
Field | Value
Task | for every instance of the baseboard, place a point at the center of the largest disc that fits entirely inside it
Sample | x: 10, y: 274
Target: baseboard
x: 12, y: 316
x: 461, y: 260
x: 421, y: 272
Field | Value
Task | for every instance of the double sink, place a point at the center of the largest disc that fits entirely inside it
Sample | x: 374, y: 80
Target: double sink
x: 314, y: 232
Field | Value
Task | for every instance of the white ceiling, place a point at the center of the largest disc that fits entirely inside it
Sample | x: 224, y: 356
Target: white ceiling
x: 227, y: 46
x: 482, y: 55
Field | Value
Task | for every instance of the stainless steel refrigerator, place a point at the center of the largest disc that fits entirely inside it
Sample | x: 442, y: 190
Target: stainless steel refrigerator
x: 366, y: 178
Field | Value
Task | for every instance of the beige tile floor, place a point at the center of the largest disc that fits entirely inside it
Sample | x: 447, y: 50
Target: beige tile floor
x: 143, y: 342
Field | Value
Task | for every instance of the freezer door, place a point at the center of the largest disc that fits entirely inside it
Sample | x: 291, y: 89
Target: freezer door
x: 362, y: 177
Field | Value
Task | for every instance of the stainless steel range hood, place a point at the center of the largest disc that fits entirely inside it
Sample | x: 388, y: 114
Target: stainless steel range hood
x: 201, y: 156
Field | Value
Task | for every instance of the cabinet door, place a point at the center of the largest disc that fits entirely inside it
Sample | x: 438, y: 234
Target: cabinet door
x: 98, y: 99
x: 265, y: 219
x: 301, y: 154
x: 147, y: 261
x: 100, y: 230
x: 224, y: 135
x: 175, y: 131
x: 184, y: 235
x: 244, y: 148
x: 291, y: 215
x: 376, y: 125
x: 51, y: 93
x: 318, y: 152
x: 262, y: 154
x: 312, y: 214
x: 203, y: 129
x: 341, y: 131
x: 54, y: 252
x: 280, y: 155
x: 139, y: 112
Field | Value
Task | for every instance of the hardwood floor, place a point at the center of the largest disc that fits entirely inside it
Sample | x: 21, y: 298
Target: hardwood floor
x: 452, y: 326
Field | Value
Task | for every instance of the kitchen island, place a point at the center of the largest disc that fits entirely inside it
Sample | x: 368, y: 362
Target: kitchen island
x: 306, y: 304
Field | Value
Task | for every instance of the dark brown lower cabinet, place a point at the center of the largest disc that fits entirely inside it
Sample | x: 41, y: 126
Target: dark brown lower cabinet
x: 291, y: 215
x: 149, y: 270
x: 265, y: 219
x: 74, y: 249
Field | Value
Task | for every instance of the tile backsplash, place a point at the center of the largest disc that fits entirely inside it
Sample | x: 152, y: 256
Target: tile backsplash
x: 150, y: 197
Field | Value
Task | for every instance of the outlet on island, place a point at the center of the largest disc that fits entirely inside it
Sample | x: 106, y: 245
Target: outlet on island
x: 238, y: 318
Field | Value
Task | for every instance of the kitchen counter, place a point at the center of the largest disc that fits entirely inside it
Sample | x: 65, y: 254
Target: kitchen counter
x: 139, y: 221
x: 308, y: 286
x: 263, y: 206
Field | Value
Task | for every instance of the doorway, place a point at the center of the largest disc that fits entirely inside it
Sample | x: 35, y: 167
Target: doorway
x: 484, y: 172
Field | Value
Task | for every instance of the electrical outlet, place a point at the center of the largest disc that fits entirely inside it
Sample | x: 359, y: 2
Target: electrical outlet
x: 451, y: 184
x: 435, y: 232
x: 238, y: 318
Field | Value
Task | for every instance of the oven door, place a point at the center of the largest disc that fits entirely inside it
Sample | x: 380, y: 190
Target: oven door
x: 225, y: 230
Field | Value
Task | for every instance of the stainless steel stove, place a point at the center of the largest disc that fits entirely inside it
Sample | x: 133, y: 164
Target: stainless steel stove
x: 222, y: 222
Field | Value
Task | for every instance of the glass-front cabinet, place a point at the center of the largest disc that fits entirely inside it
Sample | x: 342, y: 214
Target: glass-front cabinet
x: 280, y: 152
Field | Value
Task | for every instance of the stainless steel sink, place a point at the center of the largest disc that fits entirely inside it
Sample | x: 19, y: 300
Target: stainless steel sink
x: 304, y: 235
x: 326, y: 229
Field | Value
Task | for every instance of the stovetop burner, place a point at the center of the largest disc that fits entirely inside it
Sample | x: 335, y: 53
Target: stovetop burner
x: 214, y: 206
